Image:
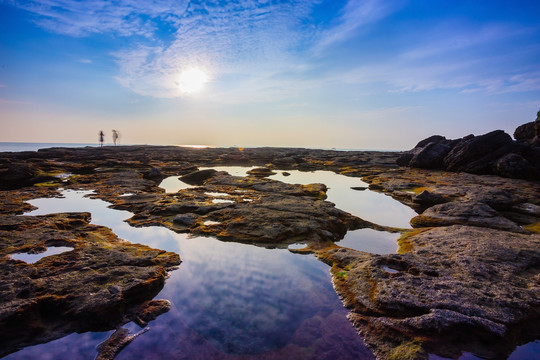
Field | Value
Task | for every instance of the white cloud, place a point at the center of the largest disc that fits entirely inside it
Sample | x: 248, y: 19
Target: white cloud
x: 356, y: 14
x: 122, y: 17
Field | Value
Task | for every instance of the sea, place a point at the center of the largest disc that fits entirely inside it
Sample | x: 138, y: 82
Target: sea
x: 32, y: 146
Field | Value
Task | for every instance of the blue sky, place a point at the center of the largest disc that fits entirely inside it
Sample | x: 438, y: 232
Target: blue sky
x: 334, y: 73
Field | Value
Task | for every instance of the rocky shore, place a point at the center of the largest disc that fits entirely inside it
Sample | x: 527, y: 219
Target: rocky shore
x: 466, y: 278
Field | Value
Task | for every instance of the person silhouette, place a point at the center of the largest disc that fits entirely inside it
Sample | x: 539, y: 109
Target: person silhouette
x: 101, y: 137
x: 115, y: 136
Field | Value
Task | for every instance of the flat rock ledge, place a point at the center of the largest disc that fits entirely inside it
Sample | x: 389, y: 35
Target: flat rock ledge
x: 101, y: 284
x: 452, y: 289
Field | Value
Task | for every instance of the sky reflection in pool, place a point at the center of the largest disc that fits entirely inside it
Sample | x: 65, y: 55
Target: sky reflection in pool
x: 32, y: 258
x: 229, y: 301
x: 369, y: 240
x: 368, y: 205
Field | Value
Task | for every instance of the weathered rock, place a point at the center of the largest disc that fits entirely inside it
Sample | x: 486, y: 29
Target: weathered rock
x: 90, y: 288
x: 154, y: 174
x: 261, y: 172
x: 485, y: 148
x: 457, y: 287
x: 118, y: 340
x: 188, y: 219
x: 464, y: 213
x: 430, y: 156
x: 525, y: 133
x: 428, y: 199
x: 198, y: 177
x: 515, y: 166
x: 492, y: 153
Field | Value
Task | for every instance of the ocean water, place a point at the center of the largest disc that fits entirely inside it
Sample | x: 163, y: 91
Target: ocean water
x: 29, y: 146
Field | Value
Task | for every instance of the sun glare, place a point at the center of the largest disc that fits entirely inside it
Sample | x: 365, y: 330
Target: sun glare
x: 192, y: 80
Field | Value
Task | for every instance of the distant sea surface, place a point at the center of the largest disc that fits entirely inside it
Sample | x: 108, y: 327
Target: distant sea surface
x: 29, y: 146
x: 24, y: 146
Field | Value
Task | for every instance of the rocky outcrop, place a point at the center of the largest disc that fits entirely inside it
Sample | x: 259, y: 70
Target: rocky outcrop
x: 99, y: 284
x: 456, y: 288
x: 466, y: 213
x: 491, y: 153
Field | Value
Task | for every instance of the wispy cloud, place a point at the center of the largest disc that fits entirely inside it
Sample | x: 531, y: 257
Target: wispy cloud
x: 85, y: 61
x: 122, y: 17
x: 458, y: 57
x: 356, y: 14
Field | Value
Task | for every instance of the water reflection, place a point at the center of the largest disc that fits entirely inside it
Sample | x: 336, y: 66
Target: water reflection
x: 32, y: 258
x: 368, y: 205
x: 229, y: 301
x: 369, y: 240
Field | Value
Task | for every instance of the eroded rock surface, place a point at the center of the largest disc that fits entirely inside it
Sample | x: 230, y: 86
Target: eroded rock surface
x: 457, y: 288
x: 491, y: 153
x: 93, y: 287
x: 478, y: 278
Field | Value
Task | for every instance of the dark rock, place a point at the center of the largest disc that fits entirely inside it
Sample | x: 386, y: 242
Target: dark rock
x: 432, y: 139
x: 188, y: 219
x: 405, y: 158
x: 515, y: 166
x: 525, y: 133
x: 154, y: 174
x: 492, y: 153
x: 198, y: 177
x: 478, y: 147
x: 118, y: 340
x: 284, y: 173
x: 359, y: 188
x: 428, y: 198
x: 430, y: 156
x: 261, y: 172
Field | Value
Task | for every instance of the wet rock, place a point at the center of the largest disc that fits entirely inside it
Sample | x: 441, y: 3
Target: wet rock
x: 90, y: 288
x: 188, y: 219
x: 198, y: 177
x: 261, y: 172
x: 464, y: 213
x: 118, y: 340
x: 359, y: 188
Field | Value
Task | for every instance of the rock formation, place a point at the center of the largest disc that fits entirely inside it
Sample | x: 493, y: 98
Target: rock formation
x: 492, y: 153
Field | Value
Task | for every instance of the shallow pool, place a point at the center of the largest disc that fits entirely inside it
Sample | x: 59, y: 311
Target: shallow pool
x: 229, y: 301
x: 366, y: 204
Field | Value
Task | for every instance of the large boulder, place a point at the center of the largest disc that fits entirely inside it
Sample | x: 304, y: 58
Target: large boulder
x: 479, y: 147
x: 492, y: 153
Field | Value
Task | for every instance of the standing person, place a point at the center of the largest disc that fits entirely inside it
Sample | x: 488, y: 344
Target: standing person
x: 101, y: 138
x: 114, y: 136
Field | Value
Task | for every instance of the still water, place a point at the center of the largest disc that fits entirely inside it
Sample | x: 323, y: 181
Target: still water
x: 366, y: 204
x: 229, y: 301
x: 236, y: 301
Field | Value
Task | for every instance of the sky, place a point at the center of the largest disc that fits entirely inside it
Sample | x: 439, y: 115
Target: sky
x: 346, y: 74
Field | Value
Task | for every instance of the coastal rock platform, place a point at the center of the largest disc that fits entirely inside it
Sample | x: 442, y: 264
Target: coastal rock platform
x: 469, y: 266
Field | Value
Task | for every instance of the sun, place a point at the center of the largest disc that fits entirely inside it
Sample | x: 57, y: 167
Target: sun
x: 192, y: 80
